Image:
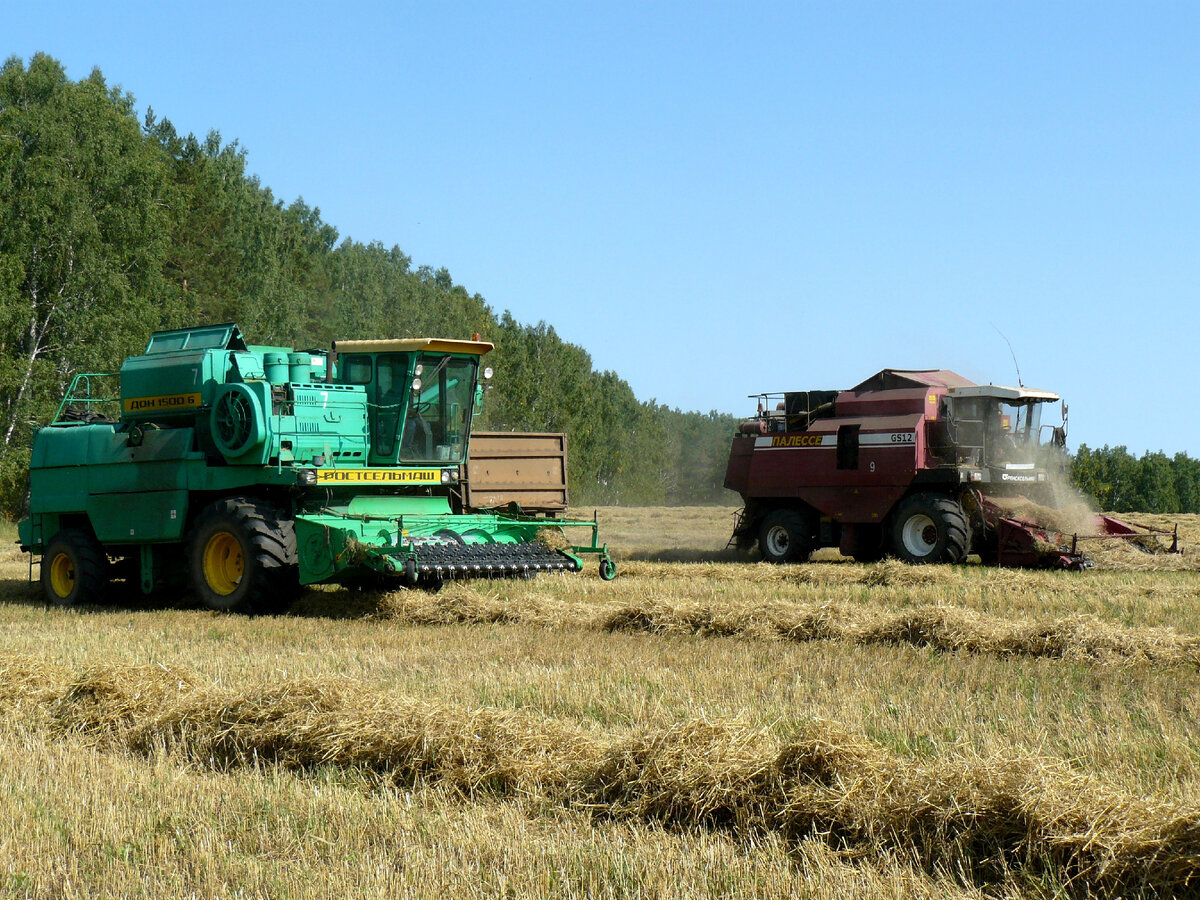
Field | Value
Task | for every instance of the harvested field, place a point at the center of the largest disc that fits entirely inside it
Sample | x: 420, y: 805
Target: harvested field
x: 699, y: 727
x: 944, y: 628
x: 980, y: 817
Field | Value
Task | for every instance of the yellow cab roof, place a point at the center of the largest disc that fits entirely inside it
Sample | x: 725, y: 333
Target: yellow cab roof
x: 409, y: 345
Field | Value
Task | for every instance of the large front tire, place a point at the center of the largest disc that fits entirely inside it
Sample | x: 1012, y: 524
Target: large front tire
x: 74, y: 569
x: 242, y: 557
x: 784, y: 536
x: 929, y: 528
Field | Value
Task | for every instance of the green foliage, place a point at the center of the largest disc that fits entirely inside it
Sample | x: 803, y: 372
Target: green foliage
x: 622, y: 450
x: 1154, y: 483
x: 110, y: 229
x: 1187, y: 482
x: 83, y: 238
x: 699, y: 445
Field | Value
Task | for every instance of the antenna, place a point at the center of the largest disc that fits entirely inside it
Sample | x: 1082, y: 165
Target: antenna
x: 1013, y: 352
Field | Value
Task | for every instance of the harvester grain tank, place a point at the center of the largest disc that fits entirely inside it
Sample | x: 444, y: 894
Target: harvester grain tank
x: 258, y: 469
x: 923, y: 465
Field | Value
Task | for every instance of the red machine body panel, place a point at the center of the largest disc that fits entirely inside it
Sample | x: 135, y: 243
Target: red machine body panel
x: 900, y: 379
x: 850, y: 469
x: 885, y: 403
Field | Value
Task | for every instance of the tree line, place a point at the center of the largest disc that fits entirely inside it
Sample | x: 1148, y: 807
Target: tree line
x: 1153, y: 482
x: 113, y: 226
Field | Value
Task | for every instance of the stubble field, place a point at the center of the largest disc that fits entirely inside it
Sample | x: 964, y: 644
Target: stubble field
x: 699, y: 727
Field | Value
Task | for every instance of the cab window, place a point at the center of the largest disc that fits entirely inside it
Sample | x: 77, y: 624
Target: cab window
x: 391, y: 390
x: 355, y: 369
x: 439, y: 418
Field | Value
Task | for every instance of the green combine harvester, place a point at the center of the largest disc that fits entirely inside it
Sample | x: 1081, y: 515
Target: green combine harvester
x: 255, y: 470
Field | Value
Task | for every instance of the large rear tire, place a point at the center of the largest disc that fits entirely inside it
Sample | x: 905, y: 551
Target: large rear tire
x: 242, y: 557
x: 929, y: 528
x: 74, y: 568
x: 784, y: 536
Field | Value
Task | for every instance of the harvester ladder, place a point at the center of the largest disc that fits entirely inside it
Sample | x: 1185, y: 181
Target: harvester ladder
x: 35, y: 538
x: 739, y: 519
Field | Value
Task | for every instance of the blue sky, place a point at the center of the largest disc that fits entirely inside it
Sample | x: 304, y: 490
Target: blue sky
x: 721, y: 199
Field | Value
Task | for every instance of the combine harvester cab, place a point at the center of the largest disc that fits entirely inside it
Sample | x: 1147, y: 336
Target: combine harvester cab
x: 923, y: 465
x: 255, y: 470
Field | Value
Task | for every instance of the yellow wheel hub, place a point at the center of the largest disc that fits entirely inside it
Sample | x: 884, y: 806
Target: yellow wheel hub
x: 62, y: 575
x: 223, y: 563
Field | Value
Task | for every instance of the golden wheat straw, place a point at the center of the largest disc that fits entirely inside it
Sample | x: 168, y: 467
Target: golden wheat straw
x: 944, y: 628
x: 975, y: 815
x: 615, y: 734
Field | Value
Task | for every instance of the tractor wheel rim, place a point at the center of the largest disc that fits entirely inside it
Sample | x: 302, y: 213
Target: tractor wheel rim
x: 778, y: 540
x: 223, y: 563
x: 919, y: 535
x: 62, y: 575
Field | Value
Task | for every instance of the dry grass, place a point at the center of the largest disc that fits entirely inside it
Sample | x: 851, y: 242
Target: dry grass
x: 190, y: 832
x: 695, y: 728
x: 943, y: 628
x: 979, y: 817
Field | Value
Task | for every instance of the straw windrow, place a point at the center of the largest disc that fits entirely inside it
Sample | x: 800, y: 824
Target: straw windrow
x: 939, y: 627
x: 977, y: 816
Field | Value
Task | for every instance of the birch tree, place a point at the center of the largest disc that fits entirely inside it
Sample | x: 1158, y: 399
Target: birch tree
x: 82, y: 232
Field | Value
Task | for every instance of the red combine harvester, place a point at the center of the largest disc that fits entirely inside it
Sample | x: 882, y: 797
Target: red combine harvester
x: 922, y: 465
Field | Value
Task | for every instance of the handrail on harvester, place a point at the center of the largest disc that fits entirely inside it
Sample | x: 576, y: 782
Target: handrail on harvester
x: 82, y: 381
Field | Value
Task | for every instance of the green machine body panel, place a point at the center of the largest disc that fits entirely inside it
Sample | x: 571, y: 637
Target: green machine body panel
x: 356, y: 451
